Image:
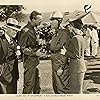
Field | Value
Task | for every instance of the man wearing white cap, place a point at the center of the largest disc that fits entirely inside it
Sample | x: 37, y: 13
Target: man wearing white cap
x: 60, y: 41
x: 8, y: 61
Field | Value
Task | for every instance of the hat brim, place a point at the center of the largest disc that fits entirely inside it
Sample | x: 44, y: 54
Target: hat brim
x: 55, y: 18
x: 17, y: 29
x: 73, y: 18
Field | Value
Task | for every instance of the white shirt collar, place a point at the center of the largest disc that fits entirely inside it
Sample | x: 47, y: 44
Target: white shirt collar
x: 7, y: 37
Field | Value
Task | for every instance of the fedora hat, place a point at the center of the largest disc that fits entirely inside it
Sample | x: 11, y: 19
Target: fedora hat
x: 13, y: 23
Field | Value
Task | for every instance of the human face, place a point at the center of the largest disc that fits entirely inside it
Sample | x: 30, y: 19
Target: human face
x: 11, y: 32
x: 54, y: 24
x: 37, y: 21
x: 78, y: 24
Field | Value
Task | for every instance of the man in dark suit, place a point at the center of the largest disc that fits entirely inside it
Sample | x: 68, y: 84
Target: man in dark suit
x: 8, y: 58
x: 27, y: 39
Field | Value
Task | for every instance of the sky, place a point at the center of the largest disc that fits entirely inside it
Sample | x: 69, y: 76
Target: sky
x: 52, y: 5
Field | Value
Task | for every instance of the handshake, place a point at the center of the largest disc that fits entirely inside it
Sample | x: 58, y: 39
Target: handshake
x: 31, y: 52
x: 39, y: 53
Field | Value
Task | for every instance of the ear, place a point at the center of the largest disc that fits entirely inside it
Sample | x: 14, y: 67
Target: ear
x: 33, y: 20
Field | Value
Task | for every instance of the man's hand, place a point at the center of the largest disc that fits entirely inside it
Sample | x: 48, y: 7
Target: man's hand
x: 39, y: 53
x: 59, y: 72
x: 26, y: 50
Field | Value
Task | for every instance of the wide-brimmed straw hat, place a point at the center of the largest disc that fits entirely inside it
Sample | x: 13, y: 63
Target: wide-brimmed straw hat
x: 77, y: 15
x: 13, y: 23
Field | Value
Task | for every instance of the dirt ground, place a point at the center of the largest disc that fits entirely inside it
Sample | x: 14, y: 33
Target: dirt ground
x: 91, y: 81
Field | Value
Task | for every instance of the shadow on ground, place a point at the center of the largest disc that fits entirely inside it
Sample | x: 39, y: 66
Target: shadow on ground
x: 95, y: 78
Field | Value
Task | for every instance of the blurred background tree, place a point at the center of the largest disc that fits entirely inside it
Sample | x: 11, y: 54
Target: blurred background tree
x: 7, y: 11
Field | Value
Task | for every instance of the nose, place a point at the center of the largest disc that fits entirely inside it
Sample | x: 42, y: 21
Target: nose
x: 40, y: 20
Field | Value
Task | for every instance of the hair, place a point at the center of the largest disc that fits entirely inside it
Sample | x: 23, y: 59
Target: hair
x: 34, y: 14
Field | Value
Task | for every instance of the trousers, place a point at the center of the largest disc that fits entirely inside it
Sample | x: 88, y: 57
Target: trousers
x: 76, y: 82
x: 31, y: 81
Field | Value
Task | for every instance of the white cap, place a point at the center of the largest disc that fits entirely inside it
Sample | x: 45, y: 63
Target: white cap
x: 57, y: 15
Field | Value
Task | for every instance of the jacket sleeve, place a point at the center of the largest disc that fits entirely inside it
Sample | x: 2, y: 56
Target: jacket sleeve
x: 25, y: 40
x: 58, y: 41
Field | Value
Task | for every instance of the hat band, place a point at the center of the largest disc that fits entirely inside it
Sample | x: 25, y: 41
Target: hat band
x: 55, y: 18
x: 16, y: 26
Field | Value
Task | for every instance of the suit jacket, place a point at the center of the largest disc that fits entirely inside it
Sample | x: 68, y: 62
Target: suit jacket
x: 3, y: 49
x: 8, y: 61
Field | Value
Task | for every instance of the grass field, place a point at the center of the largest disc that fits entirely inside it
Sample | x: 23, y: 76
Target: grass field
x: 91, y: 81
